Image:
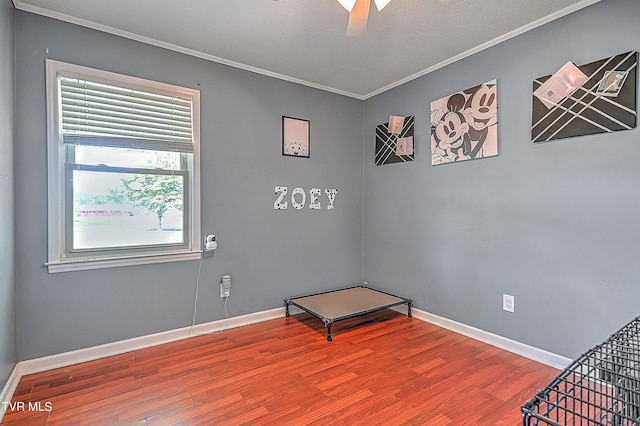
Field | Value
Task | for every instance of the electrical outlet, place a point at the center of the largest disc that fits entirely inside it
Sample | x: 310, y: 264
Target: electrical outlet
x: 225, y: 289
x: 508, y: 303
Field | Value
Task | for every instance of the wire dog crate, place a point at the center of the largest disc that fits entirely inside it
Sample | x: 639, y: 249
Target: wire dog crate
x: 600, y: 388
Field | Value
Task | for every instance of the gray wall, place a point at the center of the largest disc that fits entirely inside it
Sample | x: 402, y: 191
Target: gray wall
x: 552, y: 224
x: 7, y: 275
x: 269, y: 254
x: 555, y: 225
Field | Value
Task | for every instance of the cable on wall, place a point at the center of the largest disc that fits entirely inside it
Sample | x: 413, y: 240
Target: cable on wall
x: 195, y: 308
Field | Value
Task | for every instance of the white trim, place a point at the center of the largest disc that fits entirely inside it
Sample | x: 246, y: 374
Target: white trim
x: 38, y: 365
x: 126, y: 34
x: 56, y: 172
x: 96, y: 352
x: 545, y: 20
x: 176, y: 48
x: 9, y: 389
x: 82, y: 264
x: 55, y: 168
x: 522, y: 349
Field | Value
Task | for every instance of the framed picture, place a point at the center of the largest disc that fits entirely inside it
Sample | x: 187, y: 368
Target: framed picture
x: 295, y: 137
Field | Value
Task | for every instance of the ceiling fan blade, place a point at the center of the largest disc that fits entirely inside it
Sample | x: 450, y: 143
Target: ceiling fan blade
x: 358, y: 18
x: 381, y: 4
x: 347, y: 4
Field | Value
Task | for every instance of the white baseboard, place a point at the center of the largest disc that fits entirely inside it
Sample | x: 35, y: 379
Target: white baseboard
x: 9, y: 389
x: 96, y: 352
x: 522, y: 349
x: 109, y: 349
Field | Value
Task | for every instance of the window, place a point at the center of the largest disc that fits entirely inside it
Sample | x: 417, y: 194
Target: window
x: 123, y: 170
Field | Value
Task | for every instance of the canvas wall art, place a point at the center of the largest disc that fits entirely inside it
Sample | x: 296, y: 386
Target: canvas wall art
x: 464, y: 125
x: 603, y: 100
x: 394, y: 141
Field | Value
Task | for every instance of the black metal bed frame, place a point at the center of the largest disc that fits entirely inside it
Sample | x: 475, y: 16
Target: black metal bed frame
x: 599, y: 388
x: 329, y: 321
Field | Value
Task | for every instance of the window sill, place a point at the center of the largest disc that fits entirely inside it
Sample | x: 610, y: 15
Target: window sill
x: 116, y: 262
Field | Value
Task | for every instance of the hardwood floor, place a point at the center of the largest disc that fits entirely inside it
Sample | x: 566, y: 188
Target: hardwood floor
x: 381, y: 369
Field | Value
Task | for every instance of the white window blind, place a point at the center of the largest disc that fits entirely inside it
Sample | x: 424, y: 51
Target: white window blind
x: 95, y: 113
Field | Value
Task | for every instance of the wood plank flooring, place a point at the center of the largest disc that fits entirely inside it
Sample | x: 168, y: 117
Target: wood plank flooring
x: 381, y: 369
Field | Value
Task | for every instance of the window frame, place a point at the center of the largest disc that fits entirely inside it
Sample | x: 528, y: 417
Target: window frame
x: 61, y: 257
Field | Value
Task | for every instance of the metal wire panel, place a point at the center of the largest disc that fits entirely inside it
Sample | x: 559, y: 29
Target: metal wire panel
x: 600, y: 388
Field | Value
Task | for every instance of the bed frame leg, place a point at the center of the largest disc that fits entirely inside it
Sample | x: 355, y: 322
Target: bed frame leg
x: 286, y: 308
x: 328, y: 323
x: 409, y: 303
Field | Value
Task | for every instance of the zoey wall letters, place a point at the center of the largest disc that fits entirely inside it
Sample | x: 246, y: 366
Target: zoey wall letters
x: 299, y: 198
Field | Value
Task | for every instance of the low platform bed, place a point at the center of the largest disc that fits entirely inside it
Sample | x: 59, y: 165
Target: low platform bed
x: 336, y: 305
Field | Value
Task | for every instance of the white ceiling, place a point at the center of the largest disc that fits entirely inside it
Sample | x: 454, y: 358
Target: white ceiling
x: 305, y: 40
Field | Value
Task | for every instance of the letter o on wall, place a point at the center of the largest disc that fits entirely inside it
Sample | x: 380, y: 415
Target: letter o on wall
x: 294, y: 202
